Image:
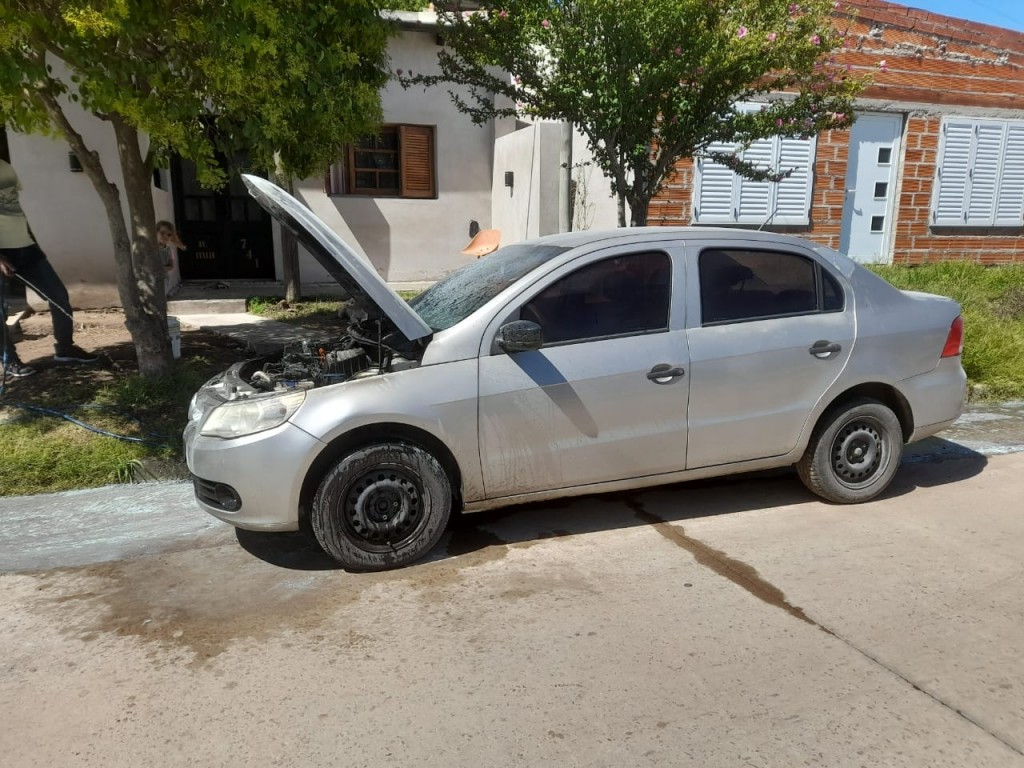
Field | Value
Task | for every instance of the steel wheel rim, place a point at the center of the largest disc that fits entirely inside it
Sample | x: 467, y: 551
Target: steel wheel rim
x: 383, y: 508
x: 859, y: 452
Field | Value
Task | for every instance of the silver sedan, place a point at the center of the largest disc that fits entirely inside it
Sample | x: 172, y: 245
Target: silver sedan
x: 572, y: 364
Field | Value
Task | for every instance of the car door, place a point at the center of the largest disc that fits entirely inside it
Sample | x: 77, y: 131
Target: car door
x: 771, y: 328
x: 605, y: 397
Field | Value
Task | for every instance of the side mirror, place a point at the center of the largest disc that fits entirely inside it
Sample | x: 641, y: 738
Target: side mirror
x: 520, y: 336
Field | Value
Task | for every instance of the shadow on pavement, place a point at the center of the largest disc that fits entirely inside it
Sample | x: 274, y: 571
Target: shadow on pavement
x: 296, y: 551
x: 473, y: 532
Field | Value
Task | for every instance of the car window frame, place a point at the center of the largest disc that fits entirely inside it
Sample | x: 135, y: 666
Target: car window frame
x: 820, y: 273
x: 591, y: 262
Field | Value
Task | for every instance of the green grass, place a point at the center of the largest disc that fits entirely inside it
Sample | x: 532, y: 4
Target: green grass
x: 993, y: 308
x: 43, y: 452
x: 313, y: 312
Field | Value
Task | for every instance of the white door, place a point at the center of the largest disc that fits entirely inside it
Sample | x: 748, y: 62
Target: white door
x: 871, y: 188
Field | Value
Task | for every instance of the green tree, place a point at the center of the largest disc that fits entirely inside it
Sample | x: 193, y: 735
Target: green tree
x: 649, y: 82
x: 288, y: 80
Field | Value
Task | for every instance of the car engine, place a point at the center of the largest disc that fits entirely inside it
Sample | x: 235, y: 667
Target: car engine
x: 308, y: 364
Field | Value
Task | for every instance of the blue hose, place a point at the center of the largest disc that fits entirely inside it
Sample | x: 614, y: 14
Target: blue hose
x: 90, y: 427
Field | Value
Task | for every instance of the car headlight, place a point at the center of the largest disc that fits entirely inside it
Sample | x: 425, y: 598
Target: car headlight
x: 237, y: 418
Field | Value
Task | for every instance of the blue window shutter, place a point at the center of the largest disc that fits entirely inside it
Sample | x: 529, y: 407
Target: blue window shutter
x: 754, y: 205
x: 793, y: 194
x: 983, y: 176
x: 1010, y: 197
x: 950, y: 196
x: 713, y: 196
x: 724, y: 197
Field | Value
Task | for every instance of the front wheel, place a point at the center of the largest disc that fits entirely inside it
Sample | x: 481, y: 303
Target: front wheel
x: 382, y: 506
x: 854, y: 453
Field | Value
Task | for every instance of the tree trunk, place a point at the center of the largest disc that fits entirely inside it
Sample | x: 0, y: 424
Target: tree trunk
x: 146, y: 321
x: 638, y: 212
x: 140, y: 274
x: 290, y: 266
x: 289, y: 243
x: 622, y: 208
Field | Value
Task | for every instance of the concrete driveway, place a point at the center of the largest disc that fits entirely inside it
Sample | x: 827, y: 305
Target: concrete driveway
x: 737, y: 623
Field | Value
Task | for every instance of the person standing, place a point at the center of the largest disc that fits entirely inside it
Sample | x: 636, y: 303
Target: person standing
x: 20, y: 255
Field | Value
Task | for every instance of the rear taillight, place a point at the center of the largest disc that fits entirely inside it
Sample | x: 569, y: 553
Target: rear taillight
x: 955, y: 339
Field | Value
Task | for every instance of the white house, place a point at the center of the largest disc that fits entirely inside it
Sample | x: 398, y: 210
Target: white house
x: 409, y: 199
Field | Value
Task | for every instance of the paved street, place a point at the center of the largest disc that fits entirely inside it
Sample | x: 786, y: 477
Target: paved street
x: 733, y: 623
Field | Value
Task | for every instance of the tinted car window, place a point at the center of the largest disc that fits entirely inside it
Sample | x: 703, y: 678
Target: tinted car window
x: 832, y: 292
x: 739, y: 284
x: 622, y: 295
x: 463, y: 292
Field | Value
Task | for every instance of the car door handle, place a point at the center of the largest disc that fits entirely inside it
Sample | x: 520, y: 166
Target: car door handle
x: 663, y: 373
x: 823, y: 347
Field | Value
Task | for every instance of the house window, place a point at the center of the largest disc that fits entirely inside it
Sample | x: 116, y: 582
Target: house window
x: 722, y: 196
x: 979, y: 179
x: 396, y: 162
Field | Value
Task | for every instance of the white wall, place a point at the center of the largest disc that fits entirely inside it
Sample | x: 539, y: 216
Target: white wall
x: 530, y: 208
x: 597, y: 207
x: 64, y: 210
x: 416, y: 240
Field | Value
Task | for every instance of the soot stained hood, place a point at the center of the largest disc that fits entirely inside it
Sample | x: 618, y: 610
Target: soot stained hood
x: 359, y: 279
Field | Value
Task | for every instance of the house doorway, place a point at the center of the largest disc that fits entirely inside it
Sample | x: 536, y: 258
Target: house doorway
x: 229, y: 236
x: 868, y: 208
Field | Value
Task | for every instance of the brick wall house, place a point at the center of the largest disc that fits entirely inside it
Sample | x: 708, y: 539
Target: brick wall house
x: 933, y: 169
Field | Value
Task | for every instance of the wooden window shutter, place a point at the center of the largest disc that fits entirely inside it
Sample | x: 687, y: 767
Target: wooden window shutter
x: 417, y: 171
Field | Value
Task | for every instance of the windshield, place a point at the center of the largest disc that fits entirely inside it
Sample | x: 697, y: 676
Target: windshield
x: 464, y: 291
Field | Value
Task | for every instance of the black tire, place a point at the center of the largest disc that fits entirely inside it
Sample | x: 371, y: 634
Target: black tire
x: 381, y: 507
x: 854, y: 452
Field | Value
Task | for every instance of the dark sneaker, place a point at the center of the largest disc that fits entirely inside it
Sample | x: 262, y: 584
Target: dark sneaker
x: 16, y: 369
x: 73, y: 354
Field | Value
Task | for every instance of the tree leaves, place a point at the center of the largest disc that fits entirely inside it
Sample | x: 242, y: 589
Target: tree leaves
x: 648, y: 82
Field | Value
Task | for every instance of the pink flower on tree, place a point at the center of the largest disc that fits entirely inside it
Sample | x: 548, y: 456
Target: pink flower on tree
x: 502, y: 14
x: 883, y: 65
x: 772, y: 37
x: 545, y: 23
x: 815, y: 40
x: 679, y: 51
x: 741, y: 32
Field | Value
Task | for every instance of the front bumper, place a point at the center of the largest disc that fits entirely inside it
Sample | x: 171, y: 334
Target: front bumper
x: 266, y: 470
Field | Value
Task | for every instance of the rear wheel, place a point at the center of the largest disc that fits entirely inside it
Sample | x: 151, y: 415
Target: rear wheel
x: 854, y: 453
x: 381, y: 507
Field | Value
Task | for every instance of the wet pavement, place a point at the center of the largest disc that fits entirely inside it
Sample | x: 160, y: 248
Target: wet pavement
x: 116, y: 522
x: 990, y: 429
x: 711, y: 624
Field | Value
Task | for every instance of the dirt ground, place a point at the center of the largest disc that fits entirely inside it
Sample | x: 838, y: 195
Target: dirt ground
x: 103, y: 333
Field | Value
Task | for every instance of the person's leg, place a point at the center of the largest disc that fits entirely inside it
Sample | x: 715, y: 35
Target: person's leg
x: 7, y: 350
x: 10, y: 364
x: 37, y: 270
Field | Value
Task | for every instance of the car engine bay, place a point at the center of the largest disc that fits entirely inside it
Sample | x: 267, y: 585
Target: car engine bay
x: 308, y: 364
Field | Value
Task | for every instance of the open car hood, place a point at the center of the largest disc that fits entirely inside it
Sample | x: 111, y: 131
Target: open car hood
x: 360, y: 280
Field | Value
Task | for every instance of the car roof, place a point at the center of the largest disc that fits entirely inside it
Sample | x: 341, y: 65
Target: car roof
x: 721, y: 235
